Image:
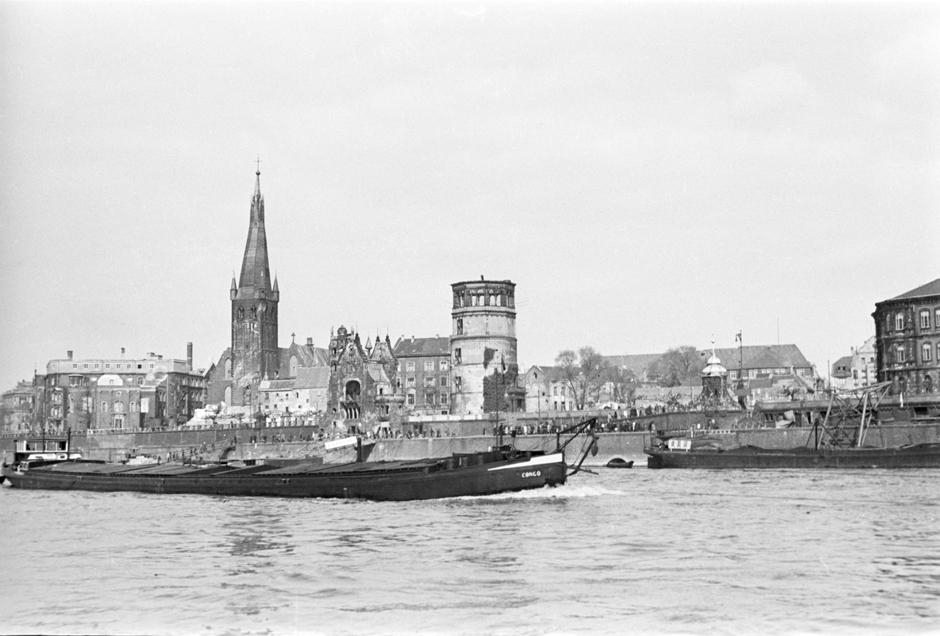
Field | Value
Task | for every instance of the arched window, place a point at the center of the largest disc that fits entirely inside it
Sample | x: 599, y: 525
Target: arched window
x: 926, y: 352
x: 228, y: 367
x: 104, y: 407
x: 228, y: 395
x: 293, y: 367
x: 241, y: 313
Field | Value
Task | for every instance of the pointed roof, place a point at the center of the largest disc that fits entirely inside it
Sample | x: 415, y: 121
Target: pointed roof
x: 930, y: 289
x: 255, y: 279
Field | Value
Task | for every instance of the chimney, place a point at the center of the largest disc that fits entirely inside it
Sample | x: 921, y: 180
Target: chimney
x: 189, y: 355
x: 309, y: 342
x: 69, y: 354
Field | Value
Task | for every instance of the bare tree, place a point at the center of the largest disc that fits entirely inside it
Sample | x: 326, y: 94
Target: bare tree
x: 583, y: 373
x: 677, y: 365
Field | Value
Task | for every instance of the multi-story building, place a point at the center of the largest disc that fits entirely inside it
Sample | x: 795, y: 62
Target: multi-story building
x: 120, y: 393
x: 857, y: 370
x: 483, y: 347
x: 424, y: 374
x: 907, y: 340
x: 546, y: 390
x: 19, y: 407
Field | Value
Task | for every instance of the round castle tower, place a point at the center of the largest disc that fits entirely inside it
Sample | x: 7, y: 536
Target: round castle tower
x: 483, y: 346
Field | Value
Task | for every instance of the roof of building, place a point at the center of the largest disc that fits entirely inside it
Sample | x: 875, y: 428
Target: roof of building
x: 417, y: 347
x: 930, y: 289
x: 635, y: 362
x: 841, y: 367
x: 764, y: 357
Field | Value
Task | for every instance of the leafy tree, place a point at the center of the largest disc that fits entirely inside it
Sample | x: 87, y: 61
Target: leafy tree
x: 583, y: 373
x: 677, y: 365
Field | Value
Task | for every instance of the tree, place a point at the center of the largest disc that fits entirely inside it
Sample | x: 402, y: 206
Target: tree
x: 678, y: 365
x: 582, y: 372
x: 623, y: 383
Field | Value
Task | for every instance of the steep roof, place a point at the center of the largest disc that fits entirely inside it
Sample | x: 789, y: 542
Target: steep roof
x: 930, y: 289
x: 417, y: 347
x: 255, y: 275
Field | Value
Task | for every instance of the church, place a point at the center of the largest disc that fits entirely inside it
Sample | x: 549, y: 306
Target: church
x: 254, y: 377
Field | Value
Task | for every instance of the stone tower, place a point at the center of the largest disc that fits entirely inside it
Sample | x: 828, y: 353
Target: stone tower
x: 483, y: 348
x: 254, y: 312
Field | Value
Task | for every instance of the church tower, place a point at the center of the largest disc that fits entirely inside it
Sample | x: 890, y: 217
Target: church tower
x: 254, y: 312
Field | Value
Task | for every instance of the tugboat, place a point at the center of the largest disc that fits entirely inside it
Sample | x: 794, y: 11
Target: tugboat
x: 40, y: 451
x: 497, y: 470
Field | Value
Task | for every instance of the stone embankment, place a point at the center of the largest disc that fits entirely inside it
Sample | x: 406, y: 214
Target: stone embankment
x: 226, y: 444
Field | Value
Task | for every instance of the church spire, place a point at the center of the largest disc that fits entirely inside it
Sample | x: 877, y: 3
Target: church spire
x: 255, y: 279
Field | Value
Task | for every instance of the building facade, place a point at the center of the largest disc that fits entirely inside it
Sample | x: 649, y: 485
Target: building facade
x: 424, y: 375
x: 119, y: 393
x: 483, y: 348
x: 363, y: 381
x: 546, y: 390
x: 907, y: 340
x: 857, y: 370
x: 19, y: 407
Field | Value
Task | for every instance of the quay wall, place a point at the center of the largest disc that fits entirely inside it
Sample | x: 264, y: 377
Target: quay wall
x: 217, y: 444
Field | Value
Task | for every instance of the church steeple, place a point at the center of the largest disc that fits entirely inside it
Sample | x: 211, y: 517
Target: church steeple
x: 255, y: 353
x: 255, y: 279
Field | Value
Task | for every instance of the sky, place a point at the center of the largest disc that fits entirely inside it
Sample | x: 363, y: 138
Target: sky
x: 650, y: 175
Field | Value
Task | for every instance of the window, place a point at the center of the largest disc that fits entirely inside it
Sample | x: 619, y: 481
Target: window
x: 104, y: 407
x: 443, y: 381
x: 443, y: 365
x: 457, y: 355
x: 410, y: 381
x: 429, y: 380
x: 107, y: 365
x: 460, y: 326
x: 140, y: 379
x: 428, y: 365
x: 925, y: 319
x: 899, y: 322
x: 900, y: 355
x: 410, y: 366
x: 936, y: 318
x: 411, y: 399
x: 443, y: 398
x: 926, y: 352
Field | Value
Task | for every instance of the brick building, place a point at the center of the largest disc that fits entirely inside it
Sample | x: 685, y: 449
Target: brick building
x: 907, y: 340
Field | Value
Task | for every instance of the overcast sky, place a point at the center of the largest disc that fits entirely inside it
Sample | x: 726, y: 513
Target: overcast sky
x: 649, y: 174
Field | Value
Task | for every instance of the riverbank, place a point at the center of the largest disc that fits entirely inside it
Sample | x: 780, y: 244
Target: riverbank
x: 301, y: 443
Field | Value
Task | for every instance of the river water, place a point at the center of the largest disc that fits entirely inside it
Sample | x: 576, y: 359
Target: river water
x: 678, y: 552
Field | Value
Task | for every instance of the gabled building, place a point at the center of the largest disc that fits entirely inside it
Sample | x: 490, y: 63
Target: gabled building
x: 907, y: 340
x: 19, y: 407
x: 424, y: 374
x: 362, y: 382
x: 546, y: 390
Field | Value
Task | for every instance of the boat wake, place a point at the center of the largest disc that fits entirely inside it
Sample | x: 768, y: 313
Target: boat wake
x: 559, y: 492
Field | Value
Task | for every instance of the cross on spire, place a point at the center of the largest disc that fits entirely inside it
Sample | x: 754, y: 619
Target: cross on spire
x: 258, y: 162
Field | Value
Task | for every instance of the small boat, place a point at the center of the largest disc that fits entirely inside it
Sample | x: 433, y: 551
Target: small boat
x: 497, y: 470
x: 619, y: 462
